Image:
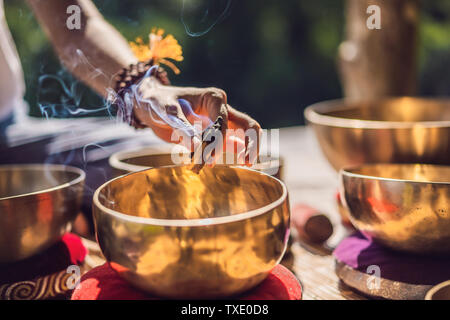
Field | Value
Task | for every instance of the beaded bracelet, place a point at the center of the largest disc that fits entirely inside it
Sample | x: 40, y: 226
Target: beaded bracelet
x: 125, y: 79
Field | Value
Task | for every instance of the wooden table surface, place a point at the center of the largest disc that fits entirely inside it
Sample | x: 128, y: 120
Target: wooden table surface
x: 312, y: 181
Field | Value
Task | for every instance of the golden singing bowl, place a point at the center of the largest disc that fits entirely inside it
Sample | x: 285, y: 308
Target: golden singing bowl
x: 140, y: 159
x: 402, y: 206
x: 395, y: 130
x: 440, y: 291
x: 38, y: 203
x: 128, y: 161
x: 177, y: 234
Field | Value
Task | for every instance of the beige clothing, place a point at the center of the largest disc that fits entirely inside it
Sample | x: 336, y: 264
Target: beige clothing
x: 12, y: 86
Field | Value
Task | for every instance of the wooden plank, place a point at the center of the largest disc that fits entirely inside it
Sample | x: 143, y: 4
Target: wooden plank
x: 319, y: 281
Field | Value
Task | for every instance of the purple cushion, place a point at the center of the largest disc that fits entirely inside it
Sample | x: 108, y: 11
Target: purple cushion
x: 359, y: 252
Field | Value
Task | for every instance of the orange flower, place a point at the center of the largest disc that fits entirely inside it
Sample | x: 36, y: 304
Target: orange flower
x: 159, y: 49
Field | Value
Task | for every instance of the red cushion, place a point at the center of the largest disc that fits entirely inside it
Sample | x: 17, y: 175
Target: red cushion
x: 68, y: 251
x: 43, y: 276
x: 103, y: 283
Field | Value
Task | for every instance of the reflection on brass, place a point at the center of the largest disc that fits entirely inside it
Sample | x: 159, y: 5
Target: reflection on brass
x: 396, y: 130
x: 38, y: 203
x: 178, y: 234
x: 344, y: 214
x: 440, y: 291
x: 124, y: 162
x: 387, y: 289
x: 403, y: 206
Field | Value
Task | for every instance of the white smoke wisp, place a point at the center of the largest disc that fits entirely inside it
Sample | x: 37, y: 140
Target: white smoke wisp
x: 68, y: 104
x: 70, y: 100
x: 205, y: 15
x: 135, y: 96
x: 95, y: 72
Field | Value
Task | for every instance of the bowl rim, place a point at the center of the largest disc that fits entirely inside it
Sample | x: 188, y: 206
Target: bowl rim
x: 191, y: 222
x: 116, y: 160
x: 347, y: 171
x: 314, y: 116
x: 39, y: 167
x: 430, y: 293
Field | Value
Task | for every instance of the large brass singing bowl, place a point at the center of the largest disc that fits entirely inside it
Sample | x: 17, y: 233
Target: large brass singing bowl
x: 38, y: 203
x: 396, y: 130
x: 176, y: 234
x: 403, y: 206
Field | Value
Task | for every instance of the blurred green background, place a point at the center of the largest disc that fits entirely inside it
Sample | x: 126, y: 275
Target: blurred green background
x: 272, y: 57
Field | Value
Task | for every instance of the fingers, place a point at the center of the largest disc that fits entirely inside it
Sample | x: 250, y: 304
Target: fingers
x: 211, y: 102
x: 177, y: 119
x: 196, y: 95
x: 208, y: 105
x: 242, y: 138
x: 170, y: 109
x: 215, y: 102
x: 183, y: 129
x: 194, y: 118
x: 167, y: 119
x: 239, y: 120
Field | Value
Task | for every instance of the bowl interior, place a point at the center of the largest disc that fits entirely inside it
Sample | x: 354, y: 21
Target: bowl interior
x: 439, y: 292
x: 23, y: 180
x: 404, y: 172
x: 178, y: 193
x: 165, y: 159
x: 396, y: 110
x: 150, y: 160
x: 155, y: 157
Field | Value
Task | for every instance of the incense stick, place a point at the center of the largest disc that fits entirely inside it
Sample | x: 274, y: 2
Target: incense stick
x: 207, y: 138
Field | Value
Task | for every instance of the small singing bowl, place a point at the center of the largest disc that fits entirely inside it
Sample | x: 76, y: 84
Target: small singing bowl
x: 128, y: 161
x: 177, y: 234
x: 402, y: 206
x: 38, y: 203
x: 391, y: 130
x: 440, y: 291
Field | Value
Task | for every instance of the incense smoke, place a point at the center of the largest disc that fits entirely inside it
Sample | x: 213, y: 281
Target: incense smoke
x: 70, y: 99
x: 69, y: 105
x: 203, y: 15
x: 148, y: 104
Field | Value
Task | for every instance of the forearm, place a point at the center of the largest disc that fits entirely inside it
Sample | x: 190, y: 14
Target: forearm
x: 95, y: 53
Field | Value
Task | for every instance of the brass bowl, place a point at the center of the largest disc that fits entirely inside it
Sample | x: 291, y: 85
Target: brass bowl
x: 391, y: 130
x: 440, y: 291
x: 129, y: 161
x: 403, y: 206
x: 38, y: 203
x: 177, y: 234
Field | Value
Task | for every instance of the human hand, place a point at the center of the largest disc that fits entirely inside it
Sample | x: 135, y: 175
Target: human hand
x: 168, y: 108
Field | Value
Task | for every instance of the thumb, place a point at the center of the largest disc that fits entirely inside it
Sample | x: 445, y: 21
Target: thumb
x: 193, y: 117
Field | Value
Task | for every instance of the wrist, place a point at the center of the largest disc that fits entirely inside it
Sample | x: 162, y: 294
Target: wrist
x: 134, y: 73
x: 123, y: 87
